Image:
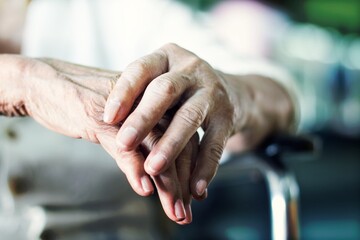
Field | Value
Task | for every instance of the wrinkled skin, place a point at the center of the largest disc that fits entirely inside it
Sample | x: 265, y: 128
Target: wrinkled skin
x: 70, y: 99
x: 173, y: 76
x: 146, y: 118
x: 247, y: 107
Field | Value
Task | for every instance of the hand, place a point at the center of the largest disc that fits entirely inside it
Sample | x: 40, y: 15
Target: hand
x: 70, y: 100
x: 174, y: 79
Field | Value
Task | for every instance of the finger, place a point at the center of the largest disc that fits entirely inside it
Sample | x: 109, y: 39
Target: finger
x: 210, y: 152
x: 184, y: 168
x: 131, y: 163
x: 184, y: 124
x: 169, y: 191
x: 202, y: 197
x: 160, y: 94
x: 131, y: 83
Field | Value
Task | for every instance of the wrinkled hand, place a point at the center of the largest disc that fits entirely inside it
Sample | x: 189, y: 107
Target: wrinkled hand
x: 70, y: 100
x: 173, y: 79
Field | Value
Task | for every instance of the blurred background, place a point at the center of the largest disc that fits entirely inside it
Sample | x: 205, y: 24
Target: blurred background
x: 317, y: 42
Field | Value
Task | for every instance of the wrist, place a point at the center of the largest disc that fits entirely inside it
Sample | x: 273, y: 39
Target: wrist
x: 262, y: 107
x: 12, y: 89
x: 241, y: 97
x: 272, y: 106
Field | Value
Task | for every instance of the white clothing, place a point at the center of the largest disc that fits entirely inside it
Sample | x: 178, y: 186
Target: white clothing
x: 113, y: 33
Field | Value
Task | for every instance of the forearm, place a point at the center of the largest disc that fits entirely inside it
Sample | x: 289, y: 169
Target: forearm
x: 12, y: 89
x: 69, y: 99
x: 262, y: 107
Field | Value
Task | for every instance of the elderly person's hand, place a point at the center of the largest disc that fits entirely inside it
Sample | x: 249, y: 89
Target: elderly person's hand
x: 70, y: 99
x: 175, y: 80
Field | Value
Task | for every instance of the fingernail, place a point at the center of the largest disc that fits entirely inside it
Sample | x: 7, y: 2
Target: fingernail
x: 157, y: 162
x: 128, y: 137
x: 111, y: 108
x: 200, y: 187
x: 205, y: 195
x: 188, y: 213
x: 179, y: 210
x: 146, y: 184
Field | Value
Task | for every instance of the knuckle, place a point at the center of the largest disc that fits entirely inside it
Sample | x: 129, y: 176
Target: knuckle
x: 215, y: 88
x: 218, y: 89
x: 213, y: 153
x: 194, y: 65
x: 193, y: 116
x: 170, y: 45
x: 216, y: 151
x: 139, y: 69
x: 161, y: 57
x: 141, y: 63
x: 142, y: 117
x: 202, y: 67
x: 194, y: 60
x: 165, y: 86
